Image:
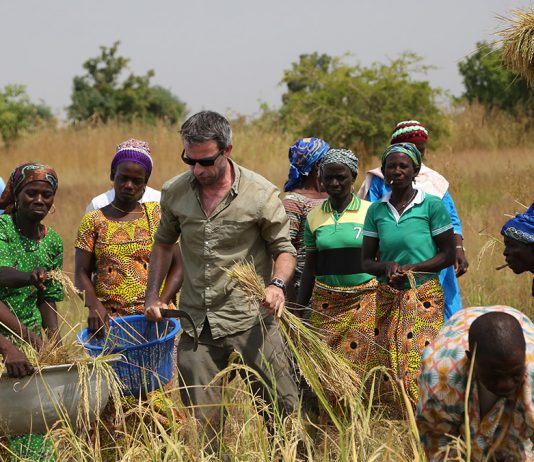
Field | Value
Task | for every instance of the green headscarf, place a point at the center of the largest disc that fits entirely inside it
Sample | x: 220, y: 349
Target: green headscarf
x: 405, y: 148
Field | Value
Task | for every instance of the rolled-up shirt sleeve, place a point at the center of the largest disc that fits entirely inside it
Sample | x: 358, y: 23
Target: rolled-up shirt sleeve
x: 274, y: 225
x: 169, y: 226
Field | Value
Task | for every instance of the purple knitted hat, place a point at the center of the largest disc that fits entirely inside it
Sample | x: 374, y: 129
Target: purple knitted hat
x: 133, y: 150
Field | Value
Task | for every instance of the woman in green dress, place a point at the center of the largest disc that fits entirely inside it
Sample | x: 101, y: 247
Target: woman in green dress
x: 28, y: 251
x: 407, y: 240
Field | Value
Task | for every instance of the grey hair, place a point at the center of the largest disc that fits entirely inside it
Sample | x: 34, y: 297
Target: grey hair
x: 207, y: 126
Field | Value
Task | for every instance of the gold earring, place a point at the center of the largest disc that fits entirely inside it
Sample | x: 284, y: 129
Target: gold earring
x: 52, y: 210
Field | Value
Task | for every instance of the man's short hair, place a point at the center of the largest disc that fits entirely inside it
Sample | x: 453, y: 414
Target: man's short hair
x: 496, y: 334
x: 207, y: 126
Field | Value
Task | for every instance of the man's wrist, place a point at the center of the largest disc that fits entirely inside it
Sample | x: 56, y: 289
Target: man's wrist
x: 280, y: 283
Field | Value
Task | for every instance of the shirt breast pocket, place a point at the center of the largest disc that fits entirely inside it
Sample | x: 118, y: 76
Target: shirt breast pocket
x: 232, y: 234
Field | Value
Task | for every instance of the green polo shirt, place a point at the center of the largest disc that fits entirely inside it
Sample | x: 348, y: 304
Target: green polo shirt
x: 408, y: 238
x: 337, y: 239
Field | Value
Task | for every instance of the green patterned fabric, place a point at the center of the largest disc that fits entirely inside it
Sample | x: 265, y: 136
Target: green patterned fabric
x: 32, y: 447
x: 17, y: 251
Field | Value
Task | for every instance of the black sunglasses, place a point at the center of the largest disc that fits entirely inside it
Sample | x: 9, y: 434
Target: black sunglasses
x: 206, y: 162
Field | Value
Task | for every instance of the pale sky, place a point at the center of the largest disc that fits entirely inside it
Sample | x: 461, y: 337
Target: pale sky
x: 229, y: 55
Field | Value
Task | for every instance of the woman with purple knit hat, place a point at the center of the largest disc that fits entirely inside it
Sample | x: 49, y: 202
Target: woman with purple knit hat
x: 114, y: 243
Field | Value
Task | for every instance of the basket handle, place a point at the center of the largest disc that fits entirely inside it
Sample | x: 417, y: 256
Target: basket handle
x: 167, y: 313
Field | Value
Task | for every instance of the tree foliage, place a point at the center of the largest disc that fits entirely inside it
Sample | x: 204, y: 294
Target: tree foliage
x: 103, y: 94
x: 18, y: 114
x: 354, y: 106
x: 488, y: 82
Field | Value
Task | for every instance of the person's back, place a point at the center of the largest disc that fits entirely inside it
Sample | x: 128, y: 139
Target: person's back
x: 501, y: 411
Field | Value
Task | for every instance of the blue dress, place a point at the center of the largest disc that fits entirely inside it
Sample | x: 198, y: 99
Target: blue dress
x: 447, y: 276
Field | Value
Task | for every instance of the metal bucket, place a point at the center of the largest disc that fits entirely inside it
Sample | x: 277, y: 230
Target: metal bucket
x: 34, y: 403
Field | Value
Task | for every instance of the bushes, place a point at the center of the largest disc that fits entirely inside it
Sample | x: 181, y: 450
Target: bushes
x: 355, y: 106
x: 18, y: 114
x: 101, y: 95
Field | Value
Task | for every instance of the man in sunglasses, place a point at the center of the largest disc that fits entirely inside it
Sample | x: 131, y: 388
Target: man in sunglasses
x: 223, y: 213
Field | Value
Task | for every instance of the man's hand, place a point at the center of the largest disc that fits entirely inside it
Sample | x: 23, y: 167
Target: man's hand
x: 460, y: 263
x: 38, y: 277
x: 98, y: 319
x: 274, y: 300
x: 152, y: 310
x: 17, y: 364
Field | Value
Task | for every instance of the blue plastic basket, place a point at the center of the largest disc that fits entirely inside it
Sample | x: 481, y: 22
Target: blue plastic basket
x: 147, y: 348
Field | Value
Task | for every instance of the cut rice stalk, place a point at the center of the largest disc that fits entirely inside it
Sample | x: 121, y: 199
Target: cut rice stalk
x: 322, y: 368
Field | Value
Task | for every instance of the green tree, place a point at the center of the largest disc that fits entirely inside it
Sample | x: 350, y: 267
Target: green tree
x: 489, y: 83
x: 354, y: 106
x: 18, y: 114
x: 103, y: 94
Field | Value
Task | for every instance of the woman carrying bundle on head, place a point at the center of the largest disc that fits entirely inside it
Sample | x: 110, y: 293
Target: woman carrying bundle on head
x: 29, y: 250
x: 342, y: 294
x: 431, y: 182
x: 408, y: 239
x: 114, y: 243
x: 302, y: 193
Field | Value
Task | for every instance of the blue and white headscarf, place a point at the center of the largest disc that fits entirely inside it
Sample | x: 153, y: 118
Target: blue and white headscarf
x: 521, y: 227
x: 303, y: 156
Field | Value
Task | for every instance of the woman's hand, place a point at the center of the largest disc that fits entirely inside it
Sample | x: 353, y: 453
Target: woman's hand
x: 29, y: 336
x: 38, y: 277
x: 460, y: 262
x: 98, y: 319
x: 394, y: 273
x: 17, y: 363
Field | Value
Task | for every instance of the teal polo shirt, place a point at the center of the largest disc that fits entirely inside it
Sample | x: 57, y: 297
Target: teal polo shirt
x: 408, y: 238
x: 337, y: 239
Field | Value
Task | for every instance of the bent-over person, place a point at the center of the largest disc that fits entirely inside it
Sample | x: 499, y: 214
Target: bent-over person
x: 223, y: 213
x: 500, y: 341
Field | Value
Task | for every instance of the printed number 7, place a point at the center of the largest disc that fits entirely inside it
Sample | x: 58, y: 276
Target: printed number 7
x: 358, y: 230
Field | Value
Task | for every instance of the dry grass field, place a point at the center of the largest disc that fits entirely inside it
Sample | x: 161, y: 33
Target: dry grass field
x: 488, y: 182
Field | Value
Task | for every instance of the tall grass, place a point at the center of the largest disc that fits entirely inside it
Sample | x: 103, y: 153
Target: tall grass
x: 489, y: 163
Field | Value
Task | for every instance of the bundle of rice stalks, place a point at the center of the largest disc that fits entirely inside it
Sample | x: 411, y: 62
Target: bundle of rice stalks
x: 63, y: 278
x: 53, y: 352
x: 518, y: 43
x: 330, y: 376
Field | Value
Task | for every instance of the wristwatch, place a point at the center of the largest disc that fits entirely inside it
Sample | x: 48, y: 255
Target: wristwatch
x: 278, y: 283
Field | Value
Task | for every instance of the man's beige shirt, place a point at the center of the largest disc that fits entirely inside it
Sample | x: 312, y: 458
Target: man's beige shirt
x: 249, y: 224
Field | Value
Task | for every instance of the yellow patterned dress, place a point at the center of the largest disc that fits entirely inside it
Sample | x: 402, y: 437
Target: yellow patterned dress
x: 122, y: 251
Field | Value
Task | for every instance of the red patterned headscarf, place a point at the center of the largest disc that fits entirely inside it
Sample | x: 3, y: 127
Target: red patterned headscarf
x: 21, y: 176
